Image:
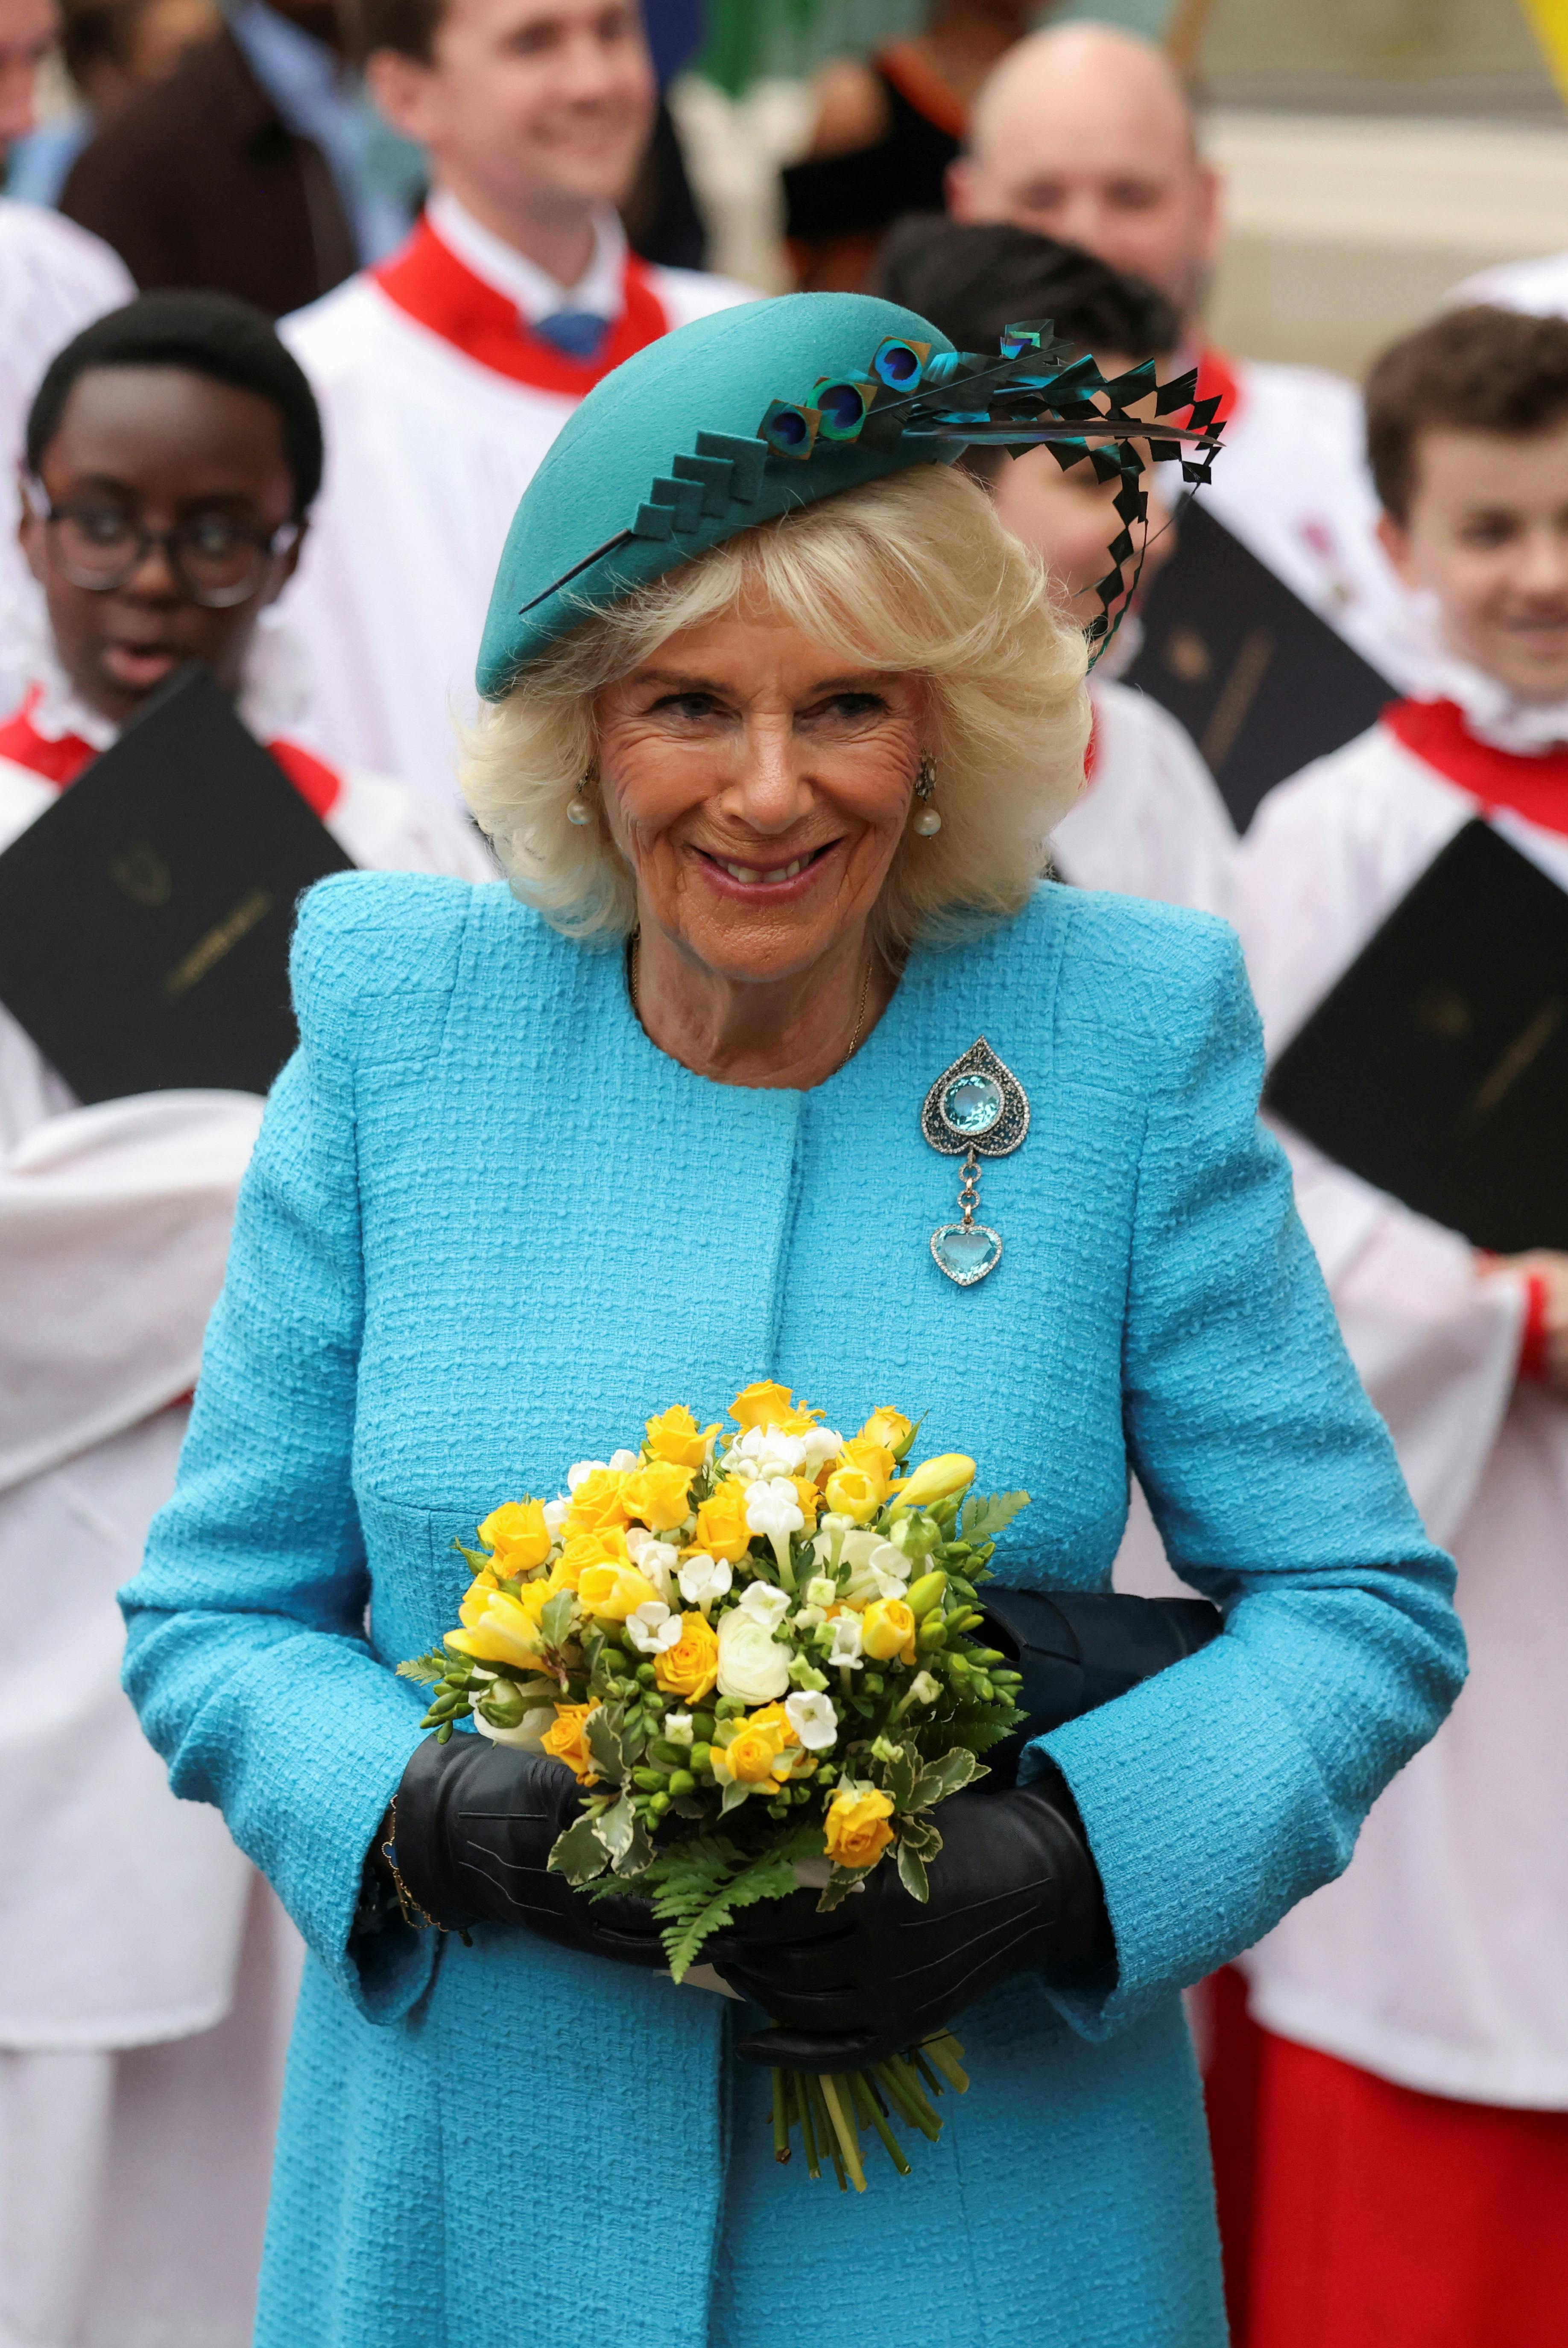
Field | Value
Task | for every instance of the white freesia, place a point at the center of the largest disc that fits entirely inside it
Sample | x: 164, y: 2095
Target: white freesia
x: 656, y: 1561
x: 772, y: 1507
x: 924, y: 1688
x: 581, y: 1470
x: 819, y: 1445
x: 703, y: 1578
x: 555, y: 1513
x: 623, y: 1462
x: 753, y: 1667
x: 860, y: 1546
x: 766, y: 1452
x: 846, y: 1637
x: 880, y: 1571
x: 822, y: 1590
x: 814, y: 1721
x: 528, y: 1733
x: 809, y: 1618
x: 769, y: 1605
x: 653, y: 1628
x: 678, y: 1727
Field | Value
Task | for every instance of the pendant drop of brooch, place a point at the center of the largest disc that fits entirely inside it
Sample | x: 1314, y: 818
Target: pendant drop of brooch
x: 977, y: 1108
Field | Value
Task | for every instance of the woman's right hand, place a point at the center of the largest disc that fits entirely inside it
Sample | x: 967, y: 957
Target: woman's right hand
x: 475, y: 1824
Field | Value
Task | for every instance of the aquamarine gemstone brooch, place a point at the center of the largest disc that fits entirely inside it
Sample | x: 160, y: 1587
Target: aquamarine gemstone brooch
x: 977, y: 1108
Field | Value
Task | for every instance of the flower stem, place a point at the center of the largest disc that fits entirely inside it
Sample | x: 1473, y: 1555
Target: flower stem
x: 780, y: 2116
x: 903, y: 2086
x: 802, y: 2098
x: 944, y: 2052
x: 864, y: 2098
x: 781, y: 1551
x: 824, y: 2128
x: 844, y: 2130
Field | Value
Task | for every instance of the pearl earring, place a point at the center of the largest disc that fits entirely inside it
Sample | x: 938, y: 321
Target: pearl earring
x: 927, y: 823
x: 578, y: 808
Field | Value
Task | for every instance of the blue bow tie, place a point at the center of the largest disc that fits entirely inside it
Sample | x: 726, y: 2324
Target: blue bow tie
x: 578, y: 333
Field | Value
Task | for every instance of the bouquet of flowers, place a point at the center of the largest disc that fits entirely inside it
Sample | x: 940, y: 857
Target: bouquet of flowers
x: 755, y: 1653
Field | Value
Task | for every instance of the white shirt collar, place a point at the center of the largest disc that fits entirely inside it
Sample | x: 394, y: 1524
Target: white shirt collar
x: 507, y: 271
x: 1492, y: 711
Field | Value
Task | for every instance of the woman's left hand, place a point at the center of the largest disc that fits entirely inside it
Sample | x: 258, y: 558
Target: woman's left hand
x: 1013, y: 1887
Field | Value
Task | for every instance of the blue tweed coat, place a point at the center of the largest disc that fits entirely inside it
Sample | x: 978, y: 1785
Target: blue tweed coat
x: 487, y: 1227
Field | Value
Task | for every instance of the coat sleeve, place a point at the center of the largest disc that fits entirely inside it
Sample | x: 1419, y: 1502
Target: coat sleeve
x: 1224, y: 1790
x: 246, y: 1655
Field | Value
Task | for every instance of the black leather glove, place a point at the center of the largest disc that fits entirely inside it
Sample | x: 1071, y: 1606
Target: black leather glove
x: 1078, y: 1649
x: 475, y: 1823
x: 1012, y: 1887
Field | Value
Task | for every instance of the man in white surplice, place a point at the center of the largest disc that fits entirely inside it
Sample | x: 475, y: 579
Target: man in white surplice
x: 445, y: 374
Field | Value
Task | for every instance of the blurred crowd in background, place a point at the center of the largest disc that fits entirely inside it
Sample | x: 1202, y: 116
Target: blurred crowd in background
x: 459, y: 215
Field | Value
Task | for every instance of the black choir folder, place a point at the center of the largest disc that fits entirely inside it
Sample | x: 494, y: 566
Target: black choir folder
x: 1438, y: 1067
x: 145, y: 920
x: 1261, y: 683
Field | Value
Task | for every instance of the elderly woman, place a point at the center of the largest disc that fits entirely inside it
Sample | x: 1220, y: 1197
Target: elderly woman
x: 774, y: 745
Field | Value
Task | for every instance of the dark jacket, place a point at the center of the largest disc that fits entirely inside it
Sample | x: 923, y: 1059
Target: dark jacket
x: 198, y: 182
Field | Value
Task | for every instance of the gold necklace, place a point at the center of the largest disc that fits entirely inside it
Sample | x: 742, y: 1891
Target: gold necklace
x: 859, y: 1016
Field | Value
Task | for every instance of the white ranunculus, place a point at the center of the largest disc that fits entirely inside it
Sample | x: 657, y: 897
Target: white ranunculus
x: 814, y: 1721
x: 623, y: 1462
x: 753, y: 1667
x: 653, y: 1628
x: 528, y: 1733
x: 581, y: 1470
x: 770, y: 1605
x: 703, y: 1578
x: 846, y: 1637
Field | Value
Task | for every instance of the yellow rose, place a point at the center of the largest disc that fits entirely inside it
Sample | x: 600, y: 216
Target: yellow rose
x: 595, y: 1505
x: 516, y: 1536
x: 754, y: 1748
x: 887, y: 1629
x: 613, y: 1591
x: 872, y: 1459
x: 583, y: 1550
x: 937, y: 1479
x: 691, y: 1667
x: 565, y: 1740
x: 675, y: 1436
x: 656, y: 1495
x: 890, y: 1429
x: 851, y: 1493
x: 855, y: 1827
x: 810, y: 1499
x: 767, y: 1405
x: 500, y: 1629
x: 722, y: 1527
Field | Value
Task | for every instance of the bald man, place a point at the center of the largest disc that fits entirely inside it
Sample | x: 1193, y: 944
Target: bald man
x: 1086, y: 134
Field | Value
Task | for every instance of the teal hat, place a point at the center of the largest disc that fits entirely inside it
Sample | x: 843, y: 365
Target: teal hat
x: 664, y: 459
x: 744, y: 414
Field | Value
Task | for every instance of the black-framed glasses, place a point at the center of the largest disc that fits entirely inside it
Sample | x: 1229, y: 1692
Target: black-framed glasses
x: 218, y: 561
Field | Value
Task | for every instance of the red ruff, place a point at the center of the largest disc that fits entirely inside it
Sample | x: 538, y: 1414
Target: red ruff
x: 61, y: 762
x: 1216, y: 377
x: 428, y: 282
x: 1534, y: 787
x: 1380, y: 2217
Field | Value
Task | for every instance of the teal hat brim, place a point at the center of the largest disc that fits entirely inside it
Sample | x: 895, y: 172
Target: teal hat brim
x: 664, y: 460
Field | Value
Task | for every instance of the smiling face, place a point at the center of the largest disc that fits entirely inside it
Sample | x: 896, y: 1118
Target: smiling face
x: 161, y: 447
x: 1487, y: 534
x: 758, y: 786
x: 527, y: 107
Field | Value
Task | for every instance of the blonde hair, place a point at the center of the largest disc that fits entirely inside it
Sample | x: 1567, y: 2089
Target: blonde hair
x: 913, y: 574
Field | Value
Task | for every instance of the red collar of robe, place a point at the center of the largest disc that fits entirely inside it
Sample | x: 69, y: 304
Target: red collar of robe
x: 1217, y: 378
x: 1532, y: 786
x: 429, y: 284
x: 60, y: 762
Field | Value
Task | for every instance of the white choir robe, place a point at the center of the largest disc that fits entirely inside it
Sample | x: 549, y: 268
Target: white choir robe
x: 429, y: 449
x: 146, y: 1973
x: 55, y: 279
x: 1151, y: 822
x: 1437, y: 1960
x: 1291, y: 482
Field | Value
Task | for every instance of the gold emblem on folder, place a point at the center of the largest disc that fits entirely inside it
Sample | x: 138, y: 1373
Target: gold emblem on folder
x: 139, y: 872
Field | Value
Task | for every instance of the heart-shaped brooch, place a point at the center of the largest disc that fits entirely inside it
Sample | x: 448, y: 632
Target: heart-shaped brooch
x: 977, y: 1108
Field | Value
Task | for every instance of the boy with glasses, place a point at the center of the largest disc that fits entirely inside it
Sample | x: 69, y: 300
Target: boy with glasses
x: 172, y: 454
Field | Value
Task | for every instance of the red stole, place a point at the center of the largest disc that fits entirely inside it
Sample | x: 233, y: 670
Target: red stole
x: 1216, y: 379
x: 62, y: 761
x: 428, y: 283
x: 1532, y: 786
